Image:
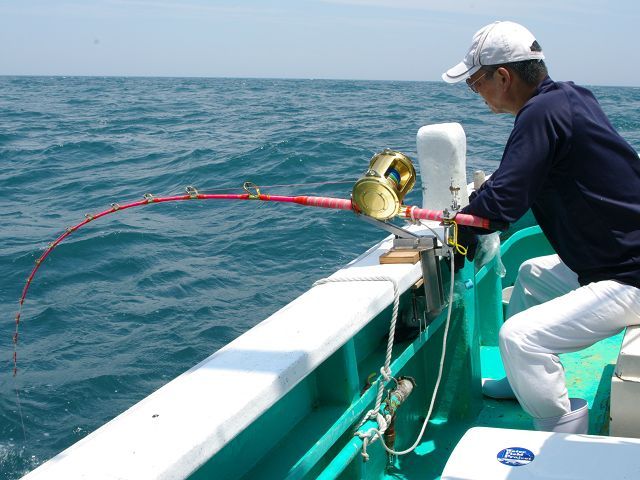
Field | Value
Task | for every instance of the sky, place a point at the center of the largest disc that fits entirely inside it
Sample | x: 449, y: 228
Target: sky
x: 591, y: 42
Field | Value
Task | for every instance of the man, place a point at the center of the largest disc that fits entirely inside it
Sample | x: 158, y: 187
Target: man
x: 581, y: 179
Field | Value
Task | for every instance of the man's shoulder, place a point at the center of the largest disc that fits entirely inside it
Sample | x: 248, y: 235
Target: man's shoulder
x: 550, y: 91
x: 551, y: 99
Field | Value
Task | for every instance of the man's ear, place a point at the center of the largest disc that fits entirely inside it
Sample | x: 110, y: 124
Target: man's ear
x: 504, y: 77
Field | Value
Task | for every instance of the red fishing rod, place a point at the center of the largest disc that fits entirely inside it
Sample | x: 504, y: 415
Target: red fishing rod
x: 375, y: 195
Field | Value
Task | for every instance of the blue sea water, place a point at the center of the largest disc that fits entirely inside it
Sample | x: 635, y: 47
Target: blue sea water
x: 130, y: 301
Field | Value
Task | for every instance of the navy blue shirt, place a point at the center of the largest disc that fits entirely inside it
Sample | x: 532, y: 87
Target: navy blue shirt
x: 581, y: 179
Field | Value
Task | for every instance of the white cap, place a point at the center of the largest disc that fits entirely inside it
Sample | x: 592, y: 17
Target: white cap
x: 495, y: 44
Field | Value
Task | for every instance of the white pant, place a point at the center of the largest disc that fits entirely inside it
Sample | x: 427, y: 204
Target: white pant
x: 550, y: 313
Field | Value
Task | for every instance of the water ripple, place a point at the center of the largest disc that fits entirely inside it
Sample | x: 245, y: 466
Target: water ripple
x: 134, y: 299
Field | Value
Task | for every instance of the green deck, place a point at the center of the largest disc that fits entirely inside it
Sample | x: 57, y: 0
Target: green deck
x: 309, y: 432
x: 588, y: 376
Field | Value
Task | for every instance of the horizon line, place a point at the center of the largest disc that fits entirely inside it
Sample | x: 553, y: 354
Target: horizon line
x: 58, y: 75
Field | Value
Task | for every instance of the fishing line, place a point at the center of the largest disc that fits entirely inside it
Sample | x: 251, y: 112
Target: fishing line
x: 252, y: 193
x: 24, y: 430
x: 285, y: 185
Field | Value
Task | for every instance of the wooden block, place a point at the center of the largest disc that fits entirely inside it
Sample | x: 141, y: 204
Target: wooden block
x: 400, y: 256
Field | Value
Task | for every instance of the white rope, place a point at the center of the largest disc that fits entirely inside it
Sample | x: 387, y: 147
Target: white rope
x: 383, y: 421
x: 378, y: 433
x: 385, y: 371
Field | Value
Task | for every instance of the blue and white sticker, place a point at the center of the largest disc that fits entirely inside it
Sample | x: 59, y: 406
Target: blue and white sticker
x: 515, y: 456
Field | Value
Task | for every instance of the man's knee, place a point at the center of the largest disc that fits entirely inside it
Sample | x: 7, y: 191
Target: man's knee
x: 528, y: 269
x: 512, y: 334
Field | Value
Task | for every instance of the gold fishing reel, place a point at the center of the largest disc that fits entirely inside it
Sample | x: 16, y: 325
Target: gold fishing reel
x: 381, y: 190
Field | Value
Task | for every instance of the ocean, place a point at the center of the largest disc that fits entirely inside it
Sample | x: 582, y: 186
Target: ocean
x: 132, y: 300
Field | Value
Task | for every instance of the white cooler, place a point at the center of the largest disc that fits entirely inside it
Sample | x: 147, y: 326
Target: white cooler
x: 499, y: 453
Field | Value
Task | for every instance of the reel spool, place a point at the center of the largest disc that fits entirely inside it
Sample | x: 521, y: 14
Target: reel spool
x: 380, y: 192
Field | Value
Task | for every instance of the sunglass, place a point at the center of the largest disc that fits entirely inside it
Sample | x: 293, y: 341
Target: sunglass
x: 472, y: 85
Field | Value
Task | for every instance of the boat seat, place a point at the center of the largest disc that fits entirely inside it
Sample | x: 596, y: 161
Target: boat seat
x: 625, y: 387
x: 498, y: 453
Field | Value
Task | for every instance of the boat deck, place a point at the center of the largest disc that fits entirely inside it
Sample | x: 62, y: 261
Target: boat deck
x: 588, y: 375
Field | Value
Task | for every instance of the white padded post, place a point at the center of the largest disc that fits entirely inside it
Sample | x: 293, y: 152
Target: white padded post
x: 442, y: 151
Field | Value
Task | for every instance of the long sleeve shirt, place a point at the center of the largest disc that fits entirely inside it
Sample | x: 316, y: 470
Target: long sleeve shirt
x: 581, y: 179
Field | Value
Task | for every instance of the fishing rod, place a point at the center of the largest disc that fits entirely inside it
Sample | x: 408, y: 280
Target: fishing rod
x: 378, y: 194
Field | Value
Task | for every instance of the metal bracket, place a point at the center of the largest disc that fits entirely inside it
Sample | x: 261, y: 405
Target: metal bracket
x: 430, y: 252
x: 406, y: 239
x: 389, y: 227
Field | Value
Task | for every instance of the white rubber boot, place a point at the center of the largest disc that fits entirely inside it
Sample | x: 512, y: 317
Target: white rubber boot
x: 576, y: 421
x: 499, y: 389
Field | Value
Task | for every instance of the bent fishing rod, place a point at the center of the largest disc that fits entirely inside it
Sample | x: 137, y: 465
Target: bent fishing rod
x: 377, y: 194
